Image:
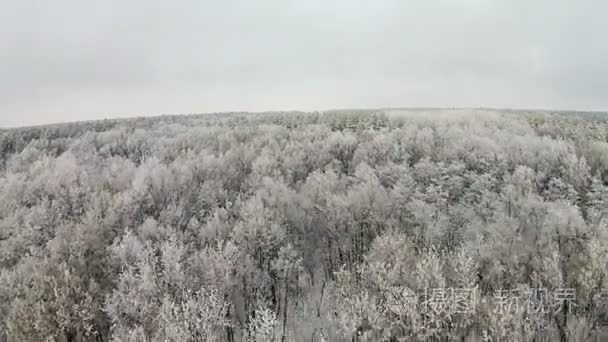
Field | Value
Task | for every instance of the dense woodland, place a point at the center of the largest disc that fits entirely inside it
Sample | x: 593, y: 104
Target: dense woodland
x: 335, y: 226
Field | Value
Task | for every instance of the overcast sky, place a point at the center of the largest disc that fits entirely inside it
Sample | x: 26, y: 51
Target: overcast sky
x: 78, y: 60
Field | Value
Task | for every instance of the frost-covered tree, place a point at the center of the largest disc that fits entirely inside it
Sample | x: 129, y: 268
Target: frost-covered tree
x: 337, y: 226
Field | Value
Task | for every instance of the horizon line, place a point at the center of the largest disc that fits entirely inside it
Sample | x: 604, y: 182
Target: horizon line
x: 160, y: 115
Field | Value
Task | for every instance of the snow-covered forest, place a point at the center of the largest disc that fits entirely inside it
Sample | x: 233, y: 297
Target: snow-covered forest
x: 397, y: 225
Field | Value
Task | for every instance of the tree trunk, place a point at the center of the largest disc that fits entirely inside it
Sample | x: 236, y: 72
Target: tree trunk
x: 285, y: 308
x: 321, y: 299
x: 229, y: 331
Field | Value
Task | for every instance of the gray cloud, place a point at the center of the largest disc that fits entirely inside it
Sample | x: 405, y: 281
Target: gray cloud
x: 76, y: 60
